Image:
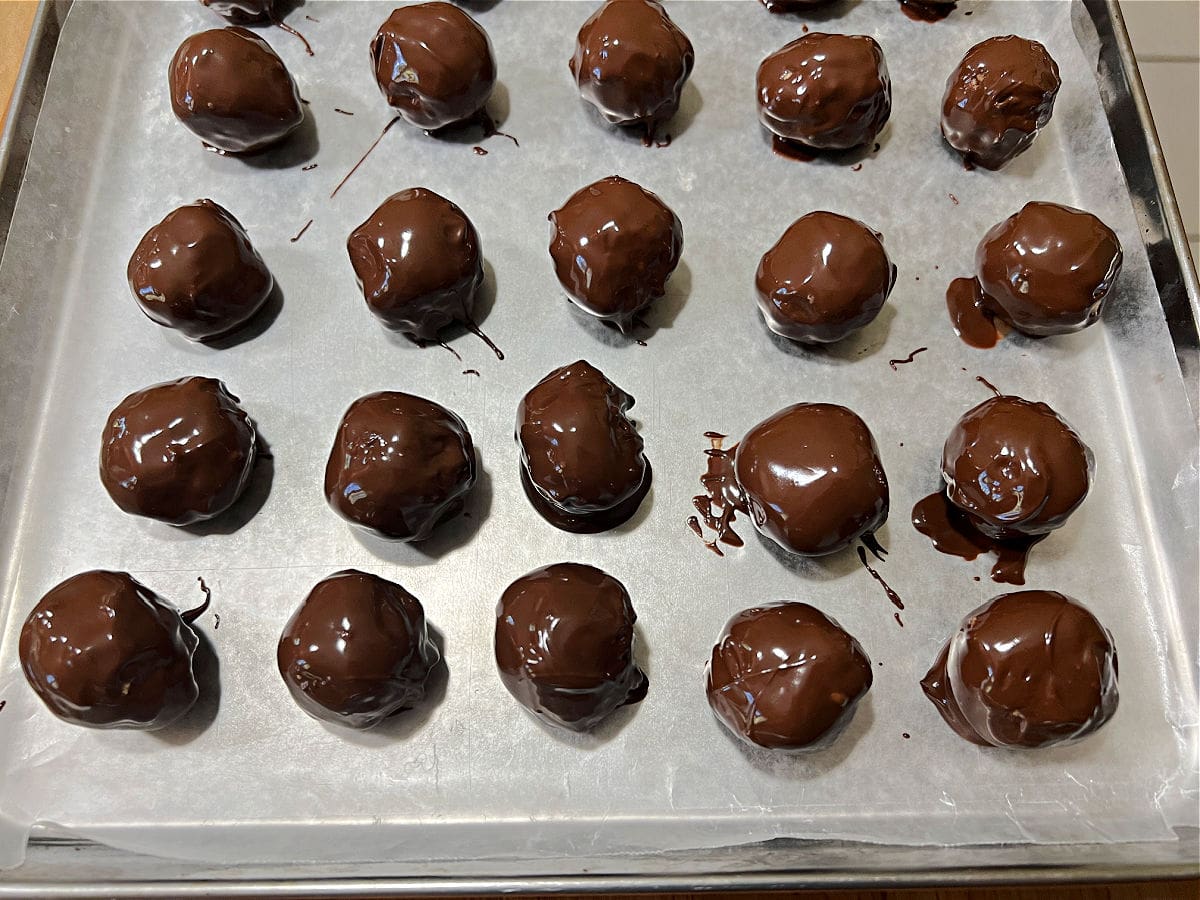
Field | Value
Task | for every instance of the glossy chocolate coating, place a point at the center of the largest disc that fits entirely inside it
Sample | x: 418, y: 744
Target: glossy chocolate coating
x: 825, y: 91
x: 581, y: 456
x: 614, y: 246
x: 180, y: 452
x: 631, y: 62
x: 400, y: 465
x: 564, y: 645
x: 1048, y: 268
x: 434, y: 64
x: 232, y: 91
x: 812, y: 478
x: 357, y: 650
x: 785, y: 676
x: 418, y: 263
x: 1015, y: 468
x: 1029, y: 669
x: 828, y: 275
x: 243, y: 12
x: 196, y: 272
x: 103, y: 650
x: 999, y: 97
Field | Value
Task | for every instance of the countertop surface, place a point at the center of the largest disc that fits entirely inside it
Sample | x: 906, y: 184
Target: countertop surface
x: 1166, y: 37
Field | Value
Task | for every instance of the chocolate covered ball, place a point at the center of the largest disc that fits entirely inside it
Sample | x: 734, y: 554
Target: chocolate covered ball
x: 785, y: 676
x: 825, y: 91
x: 614, y: 245
x: 434, y: 64
x: 827, y: 276
x: 1015, y: 468
x: 103, y: 650
x: 179, y: 452
x: 232, y: 91
x: 999, y: 97
x: 357, y: 650
x: 582, y: 463
x: 1048, y: 268
x: 1029, y: 669
x: 400, y: 465
x: 418, y: 263
x: 196, y: 272
x: 243, y: 12
x: 631, y: 63
x: 812, y: 478
x: 565, y: 645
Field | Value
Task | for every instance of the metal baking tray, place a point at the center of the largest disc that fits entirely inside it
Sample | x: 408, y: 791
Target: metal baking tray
x: 57, y: 863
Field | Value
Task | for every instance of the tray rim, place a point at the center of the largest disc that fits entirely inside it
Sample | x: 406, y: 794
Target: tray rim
x: 62, y: 862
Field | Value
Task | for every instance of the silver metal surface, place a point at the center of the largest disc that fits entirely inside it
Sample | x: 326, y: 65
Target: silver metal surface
x: 79, y: 868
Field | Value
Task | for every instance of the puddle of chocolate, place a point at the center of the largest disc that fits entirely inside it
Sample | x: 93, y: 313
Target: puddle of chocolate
x: 952, y: 533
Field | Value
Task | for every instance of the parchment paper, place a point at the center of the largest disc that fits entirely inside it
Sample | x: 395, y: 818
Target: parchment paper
x: 249, y: 777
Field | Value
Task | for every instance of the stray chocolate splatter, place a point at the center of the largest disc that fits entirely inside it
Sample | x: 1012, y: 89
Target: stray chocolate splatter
x: 308, y: 168
x: 311, y: 19
x: 216, y: 621
x: 474, y: 372
x: 362, y: 159
x: 900, y: 362
x: 905, y: 735
x: 479, y: 151
x: 300, y: 233
x: 857, y: 167
x: 953, y: 199
x: 344, y: 112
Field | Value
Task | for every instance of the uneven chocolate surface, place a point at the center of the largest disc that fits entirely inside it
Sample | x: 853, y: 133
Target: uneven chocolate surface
x: 232, y: 91
x: 565, y: 645
x: 631, y: 62
x: 999, y: 97
x: 614, y: 246
x: 243, y: 12
x: 400, y: 465
x: 434, y: 64
x: 103, y: 650
x: 1029, y: 669
x: 785, y: 676
x: 357, y: 650
x: 812, y: 478
x: 825, y: 91
x: 196, y: 272
x: 1048, y: 268
x: 827, y: 276
x: 1015, y: 468
x: 180, y: 452
x: 418, y: 262
x: 582, y: 460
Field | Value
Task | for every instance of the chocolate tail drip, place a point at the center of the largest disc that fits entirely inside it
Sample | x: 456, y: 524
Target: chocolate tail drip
x: 478, y: 332
x: 872, y: 543
x: 290, y: 30
x: 193, y: 614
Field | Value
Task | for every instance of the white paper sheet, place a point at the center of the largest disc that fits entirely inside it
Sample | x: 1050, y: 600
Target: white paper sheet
x: 250, y: 777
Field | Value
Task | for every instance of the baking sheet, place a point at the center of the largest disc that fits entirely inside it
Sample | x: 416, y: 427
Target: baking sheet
x: 251, y: 778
